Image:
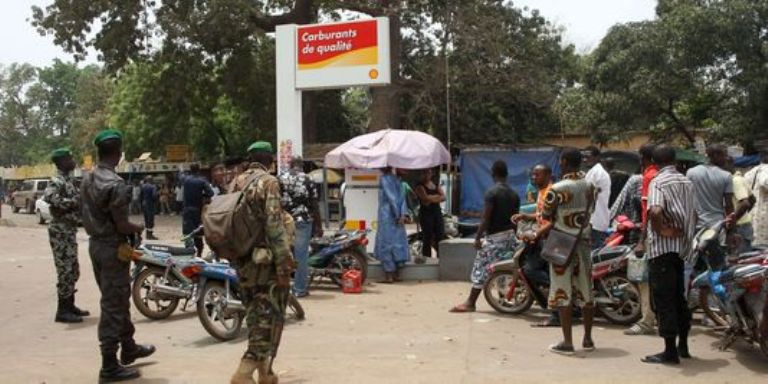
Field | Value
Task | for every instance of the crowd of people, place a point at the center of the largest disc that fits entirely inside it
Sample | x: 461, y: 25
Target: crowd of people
x: 669, y: 205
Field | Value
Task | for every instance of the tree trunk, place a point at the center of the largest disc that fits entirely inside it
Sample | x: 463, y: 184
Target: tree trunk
x: 385, y: 104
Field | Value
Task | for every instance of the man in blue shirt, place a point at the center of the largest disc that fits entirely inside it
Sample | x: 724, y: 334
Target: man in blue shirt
x: 148, y: 198
x: 197, y: 192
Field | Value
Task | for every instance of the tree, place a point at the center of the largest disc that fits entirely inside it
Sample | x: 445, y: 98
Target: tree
x: 701, y: 65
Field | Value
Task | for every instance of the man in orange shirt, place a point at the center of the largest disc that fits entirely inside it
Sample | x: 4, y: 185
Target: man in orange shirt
x: 646, y: 325
x: 535, y: 266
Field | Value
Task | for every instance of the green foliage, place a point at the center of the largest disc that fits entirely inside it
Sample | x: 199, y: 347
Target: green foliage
x: 45, y: 108
x: 701, y: 65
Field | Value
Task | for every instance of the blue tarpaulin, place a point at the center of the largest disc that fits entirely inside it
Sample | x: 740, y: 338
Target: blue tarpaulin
x: 746, y: 161
x: 476, y: 172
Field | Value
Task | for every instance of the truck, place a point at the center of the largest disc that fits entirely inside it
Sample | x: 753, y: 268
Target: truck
x: 26, y: 196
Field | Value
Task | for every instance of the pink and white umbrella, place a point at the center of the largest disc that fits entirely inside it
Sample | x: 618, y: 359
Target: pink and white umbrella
x: 389, y: 148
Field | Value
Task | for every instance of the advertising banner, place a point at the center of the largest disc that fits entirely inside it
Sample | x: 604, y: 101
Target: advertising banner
x: 342, y: 54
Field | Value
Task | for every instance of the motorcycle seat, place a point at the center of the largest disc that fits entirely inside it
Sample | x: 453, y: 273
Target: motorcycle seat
x: 174, y: 251
x: 747, y: 255
x: 747, y: 270
x: 738, y: 272
x: 609, y: 253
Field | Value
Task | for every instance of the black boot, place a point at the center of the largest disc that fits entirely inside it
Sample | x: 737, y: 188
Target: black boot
x: 129, y: 354
x: 64, y: 313
x: 112, y: 371
x: 76, y: 310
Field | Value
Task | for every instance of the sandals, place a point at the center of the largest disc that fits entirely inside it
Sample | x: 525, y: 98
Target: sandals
x: 562, y: 349
x: 546, y: 324
x: 462, y: 308
x: 588, y: 346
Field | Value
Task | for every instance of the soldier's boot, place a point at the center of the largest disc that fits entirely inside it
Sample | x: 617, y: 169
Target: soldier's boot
x: 136, y: 351
x: 266, y: 376
x: 244, y: 372
x: 112, y: 371
x: 151, y: 235
x: 64, y: 314
x: 74, y: 309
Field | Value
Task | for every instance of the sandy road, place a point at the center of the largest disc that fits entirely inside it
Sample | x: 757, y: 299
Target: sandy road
x: 390, y: 334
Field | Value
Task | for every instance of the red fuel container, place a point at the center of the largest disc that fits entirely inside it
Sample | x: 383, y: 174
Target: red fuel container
x: 352, y: 281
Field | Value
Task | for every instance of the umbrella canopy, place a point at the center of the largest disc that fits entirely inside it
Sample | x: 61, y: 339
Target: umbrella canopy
x: 389, y: 148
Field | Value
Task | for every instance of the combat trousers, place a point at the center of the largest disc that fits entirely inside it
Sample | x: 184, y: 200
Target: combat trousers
x: 264, y: 311
x: 114, y: 281
x: 63, y: 239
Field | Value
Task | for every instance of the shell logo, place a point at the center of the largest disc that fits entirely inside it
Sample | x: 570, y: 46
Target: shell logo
x: 373, y: 74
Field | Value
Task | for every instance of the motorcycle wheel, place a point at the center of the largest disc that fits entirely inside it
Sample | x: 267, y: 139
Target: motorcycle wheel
x: 495, y: 292
x: 345, y: 260
x: 295, y: 307
x: 158, y: 308
x: 715, y: 313
x: 627, y: 311
x: 222, y: 324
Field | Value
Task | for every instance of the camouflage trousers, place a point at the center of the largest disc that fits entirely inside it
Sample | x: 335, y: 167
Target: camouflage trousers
x: 64, y: 245
x: 264, y: 312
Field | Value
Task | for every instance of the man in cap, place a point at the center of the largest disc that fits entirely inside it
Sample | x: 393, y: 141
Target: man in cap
x: 105, y: 200
x: 265, y: 273
x: 64, y: 200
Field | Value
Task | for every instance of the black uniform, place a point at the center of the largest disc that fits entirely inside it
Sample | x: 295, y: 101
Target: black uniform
x: 105, y: 193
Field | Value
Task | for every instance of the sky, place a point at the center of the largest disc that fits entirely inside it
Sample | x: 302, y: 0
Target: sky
x: 585, y: 22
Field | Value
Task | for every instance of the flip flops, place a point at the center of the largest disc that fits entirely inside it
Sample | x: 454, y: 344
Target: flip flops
x: 562, y: 349
x: 462, y: 308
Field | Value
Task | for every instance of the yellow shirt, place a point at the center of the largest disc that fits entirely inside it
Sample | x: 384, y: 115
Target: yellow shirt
x: 741, y: 192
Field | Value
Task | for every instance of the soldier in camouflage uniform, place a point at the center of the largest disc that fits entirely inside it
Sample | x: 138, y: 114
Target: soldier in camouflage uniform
x: 105, y: 200
x: 265, y: 274
x: 64, y: 200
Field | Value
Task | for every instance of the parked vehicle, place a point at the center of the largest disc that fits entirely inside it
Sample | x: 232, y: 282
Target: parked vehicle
x: 741, y: 292
x: 511, y: 290
x: 25, y: 197
x: 331, y: 256
x: 43, y: 211
x: 219, y: 303
x: 158, y: 284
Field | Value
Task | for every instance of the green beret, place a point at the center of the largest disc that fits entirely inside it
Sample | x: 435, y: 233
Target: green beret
x: 60, y: 152
x: 107, y: 134
x: 260, y: 146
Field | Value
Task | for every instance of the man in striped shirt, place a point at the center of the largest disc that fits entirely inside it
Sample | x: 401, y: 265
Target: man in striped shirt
x: 672, y: 219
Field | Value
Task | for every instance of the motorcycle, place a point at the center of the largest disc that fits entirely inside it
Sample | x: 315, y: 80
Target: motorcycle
x: 331, y: 256
x: 511, y: 289
x: 741, y: 291
x: 705, y: 244
x: 158, y: 284
x: 219, y: 303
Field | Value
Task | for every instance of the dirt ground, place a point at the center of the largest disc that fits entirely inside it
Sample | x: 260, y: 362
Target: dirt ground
x: 389, y: 334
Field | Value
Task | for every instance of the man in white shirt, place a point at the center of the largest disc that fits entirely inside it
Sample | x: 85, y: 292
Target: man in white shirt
x: 757, y: 181
x: 599, y: 177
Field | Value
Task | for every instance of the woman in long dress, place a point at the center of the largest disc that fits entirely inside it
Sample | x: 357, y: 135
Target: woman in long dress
x: 391, y: 239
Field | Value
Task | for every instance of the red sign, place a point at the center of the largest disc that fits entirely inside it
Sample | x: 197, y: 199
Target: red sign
x: 337, y: 45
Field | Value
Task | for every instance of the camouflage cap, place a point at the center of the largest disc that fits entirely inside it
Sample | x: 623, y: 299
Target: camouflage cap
x: 260, y: 146
x: 107, y: 134
x: 60, y: 152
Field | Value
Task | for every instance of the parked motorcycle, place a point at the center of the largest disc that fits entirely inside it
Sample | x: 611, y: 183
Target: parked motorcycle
x: 741, y: 291
x: 510, y: 289
x: 416, y: 240
x: 219, y: 303
x: 331, y: 256
x: 158, y: 284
